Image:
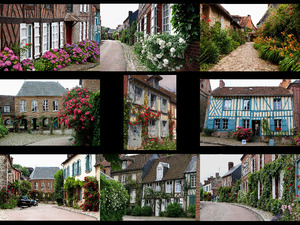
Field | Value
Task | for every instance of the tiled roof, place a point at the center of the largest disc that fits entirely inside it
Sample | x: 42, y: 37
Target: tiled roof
x: 232, y: 170
x: 178, y: 164
x: 251, y: 91
x: 192, y: 167
x: 43, y: 173
x: 39, y: 88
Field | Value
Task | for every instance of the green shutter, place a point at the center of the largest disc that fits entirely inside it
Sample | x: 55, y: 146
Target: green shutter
x: 86, y: 163
x: 79, y: 167
x: 90, y: 162
x: 231, y: 124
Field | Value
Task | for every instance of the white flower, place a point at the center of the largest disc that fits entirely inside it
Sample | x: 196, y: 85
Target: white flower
x: 161, y: 42
x: 158, y: 56
x: 162, y: 46
x: 181, y: 41
x: 177, y: 67
x: 143, y: 51
x: 172, y: 50
x: 166, y: 61
x: 169, y: 44
x: 159, y: 66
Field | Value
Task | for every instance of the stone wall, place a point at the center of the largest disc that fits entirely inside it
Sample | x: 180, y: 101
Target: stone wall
x: 3, y: 171
x: 92, y: 85
x: 46, y: 188
x: 191, y: 54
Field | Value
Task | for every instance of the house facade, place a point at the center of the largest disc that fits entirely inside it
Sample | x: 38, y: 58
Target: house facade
x: 8, y: 174
x: 233, y: 174
x: 97, y: 23
x: 92, y: 85
x: 165, y: 178
x: 205, y: 90
x: 7, y: 108
x: 132, y: 16
x: 295, y: 88
x: 145, y: 90
x: 266, y: 15
x: 42, y: 179
x: 232, y: 107
x: 39, y: 99
x: 190, y: 182
x: 79, y: 166
x: 246, y: 22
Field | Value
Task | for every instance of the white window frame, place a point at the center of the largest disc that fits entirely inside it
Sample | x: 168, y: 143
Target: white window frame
x: 80, y: 31
x: 277, y: 104
x: 23, y: 106
x: 227, y: 104
x: 278, y: 123
x: 37, y: 43
x: 166, y: 17
x: 81, y: 8
x: 157, y: 187
x: 159, y: 173
x: 45, y: 106
x: 153, y: 21
x: 61, y: 29
x: 6, y: 109
x: 246, y: 123
x: 124, y: 165
x: 193, y: 181
x: 177, y: 186
x: 247, y: 105
x: 145, y: 24
x: 46, y: 37
x: 84, y: 31
x: 123, y: 180
x: 87, y: 30
x: 55, y: 36
x: 169, y: 187
x: 34, y: 105
x: 55, y: 105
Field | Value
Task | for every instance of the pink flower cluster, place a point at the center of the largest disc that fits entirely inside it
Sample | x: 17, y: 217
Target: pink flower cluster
x: 243, y: 133
x: 9, y: 61
x: 55, y: 59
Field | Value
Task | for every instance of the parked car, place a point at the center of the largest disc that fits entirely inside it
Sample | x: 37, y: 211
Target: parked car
x: 33, y: 202
x: 24, y: 201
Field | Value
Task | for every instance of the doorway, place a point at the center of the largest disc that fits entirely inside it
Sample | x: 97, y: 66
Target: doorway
x: 69, y: 32
x: 256, y: 127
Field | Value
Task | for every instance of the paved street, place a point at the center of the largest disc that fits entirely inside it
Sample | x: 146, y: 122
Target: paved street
x: 154, y: 218
x: 42, y: 212
x: 59, y: 141
x: 244, y: 58
x: 112, y: 57
x: 213, y: 211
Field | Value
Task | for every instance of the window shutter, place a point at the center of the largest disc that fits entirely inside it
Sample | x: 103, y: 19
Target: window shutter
x: 161, y: 105
x: 90, y: 162
x: 273, y: 188
x: 86, y: 163
x: 44, y: 37
x: 145, y: 24
x: 84, y: 31
x: 36, y: 40
x: 23, y: 36
x: 172, y: 31
x: 156, y: 128
x: 61, y: 34
x: 231, y: 124
x: 131, y: 91
x: 156, y: 102
x: 284, y: 125
x: 210, y: 124
x: 149, y: 99
x: 79, y: 167
x: 161, y: 129
x: 142, y: 97
x: 81, y: 7
x: 250, y: 125
x: 87, y: 31
x: 80, y: 31
x: 241, y: 122
x: 272, y: 125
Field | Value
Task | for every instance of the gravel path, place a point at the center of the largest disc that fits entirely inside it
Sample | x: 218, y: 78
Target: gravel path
x: 112, y: 56
x: 244, y: 58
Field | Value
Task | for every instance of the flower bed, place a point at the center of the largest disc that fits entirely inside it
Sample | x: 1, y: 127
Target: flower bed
x: 243, y: 133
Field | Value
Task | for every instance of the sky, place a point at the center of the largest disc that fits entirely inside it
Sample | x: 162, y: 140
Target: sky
x: 168, y: 82
x: 256, y: 11
x: 12, y: 87
x: 113, y: 15
x: 245, y: 83
x: 211, y: 164
x: 39, y: 160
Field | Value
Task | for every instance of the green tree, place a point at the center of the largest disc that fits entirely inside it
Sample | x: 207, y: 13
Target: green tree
x: 25, y: 172
x: 25, y: 187
x: 58, y: 186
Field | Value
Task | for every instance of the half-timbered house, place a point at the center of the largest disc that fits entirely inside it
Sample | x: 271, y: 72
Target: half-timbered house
x: 190, y: 182
x: 232, y: 107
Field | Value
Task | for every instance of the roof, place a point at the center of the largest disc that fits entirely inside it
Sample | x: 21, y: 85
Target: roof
x: 251, y: 91
x: 192, y: 167
x: 45, y: 173
x: 40, y: 88
x: 178, y: 164
x: 231, y: 171
x: 107, y: 177
x: 70, y: 17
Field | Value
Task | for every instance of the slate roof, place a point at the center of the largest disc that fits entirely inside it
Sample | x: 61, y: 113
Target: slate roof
x: 255, y: 91
x: 232, y: 170
x: 192, y: 167
x: 40, y: 88
x: 43, y: 173
x: 178, y: 164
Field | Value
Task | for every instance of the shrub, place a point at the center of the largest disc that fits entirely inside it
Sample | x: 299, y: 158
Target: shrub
x: 296, y: 139
x: 209, y: 52
x: 91, y: 194
x: 146, y: 211
x: 76, y: 54
x: 137, y: 211
x: 207, y: 132
x: 55, y: 59
x: 192, y: 210
x: 161, y: 214
x: 38, y: 65
x: 9, y: 61
x: 174, y: 210
x: 275, y: 207
x: 91, y: 49
x: 3, y: 131
x: 27, y: 65
x: 95, y: 102
x: 243, y: 133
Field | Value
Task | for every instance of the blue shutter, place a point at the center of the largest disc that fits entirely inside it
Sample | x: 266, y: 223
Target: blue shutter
x: 64, y: 173
x: 284, y: 125
x: 156, y: 100
x: 231, y: 124
x: 272, y: 125
x: 241, y: 122
x: 72, y: 169
x: 86, y: 163
x: 79, y: 167
x: 68, y: 171
x: 90, y: 162
x: 210, y: 124
x: 250, y: 125
x: 161, y: 105
x: 149, y: 99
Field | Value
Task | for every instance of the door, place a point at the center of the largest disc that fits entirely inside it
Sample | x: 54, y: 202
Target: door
x: 256, y: 127
x: 156, y: 207
x: 134, y: 136
x: 69, y: 32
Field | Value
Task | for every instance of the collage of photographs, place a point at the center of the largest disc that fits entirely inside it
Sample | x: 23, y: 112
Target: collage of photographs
x: 153, y: 162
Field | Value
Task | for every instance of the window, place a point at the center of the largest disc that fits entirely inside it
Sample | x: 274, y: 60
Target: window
x: 68, y: 171
x: 123, y: 181
x: 6, y: 109
x: 217, y: 124
x: 246, y: 123
x: 61, y: 25
x: 166, y: 18
x: 277, y: 104
x: 164, y: 129
x: 153, y: 22
x: 55, y: 36
x: 278, y: 125
x: 43, y: 185
x: 147, y: 202
x: 116, y: 178
x: 69, y: 8
x: 246, y: 104
x: 23, y: 106
x: 124, y: 165
x: 145, y: 24
x: 88, y: 163
x: 157, y: 187
x: 49, y: 185
x: 75, y: 168
x: 169, y: 187
x: 193, y: 181
x: 78, y: 167
x: 46, y: 37
x: 81, y: 7
x: 34, y: 106
x: 84, y: 31
x: 227, y: 104
x: 132, y: 196
x: 45, y: 105
x: 164, y: 106
x: 133, y: 176
x: 152, y: 128
x: 80, y: 31
x: 153, y: 102
x: 55, y: 105
x: 36, y: 185
x: 177, y: 186
x: 137, y: 95
x: 225, y: 124
x: 159, y: 174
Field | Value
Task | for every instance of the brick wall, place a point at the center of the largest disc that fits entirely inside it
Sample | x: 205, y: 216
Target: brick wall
x: 198, y: 189
x: 92, y: 85
x: 192, y: 52
x: 203, y: 105
x: 46, y: 182
x: 295, y: 88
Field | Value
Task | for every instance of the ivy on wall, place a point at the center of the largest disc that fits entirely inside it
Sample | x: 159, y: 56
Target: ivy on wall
x: 125, y: 123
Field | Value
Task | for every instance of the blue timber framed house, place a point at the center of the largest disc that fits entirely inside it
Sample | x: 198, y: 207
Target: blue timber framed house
x: 232, y: 107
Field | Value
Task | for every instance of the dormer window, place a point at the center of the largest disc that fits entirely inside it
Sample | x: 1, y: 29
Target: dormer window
x: 159, y: 174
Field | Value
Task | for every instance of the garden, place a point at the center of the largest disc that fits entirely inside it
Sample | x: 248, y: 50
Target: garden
x: 278, y: 39
x: 215, y: 42
x: 53, y: 60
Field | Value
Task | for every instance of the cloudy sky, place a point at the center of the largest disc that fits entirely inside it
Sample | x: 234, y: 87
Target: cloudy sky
x: 12, y: 87
x: 40, y: 160
x: 211, y: 164
x: 113, y: 15
x: 256, y: 11
x: 245, y: 83
x: 168, y: 82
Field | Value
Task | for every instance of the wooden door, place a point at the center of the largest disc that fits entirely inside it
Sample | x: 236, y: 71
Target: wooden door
x: 69, y: 32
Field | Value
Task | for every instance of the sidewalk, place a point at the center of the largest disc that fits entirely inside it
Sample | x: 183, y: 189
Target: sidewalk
x: 132, y: 61
x: 95, y: 215
x: 265, y: 216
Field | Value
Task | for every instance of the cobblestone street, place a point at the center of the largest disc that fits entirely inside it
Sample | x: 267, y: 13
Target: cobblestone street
x: 42, y: 212
x: 132, y: 61
x: 112, y: 57
x: 213, y: 211
x: 244, y: 58
x: 154, y: 218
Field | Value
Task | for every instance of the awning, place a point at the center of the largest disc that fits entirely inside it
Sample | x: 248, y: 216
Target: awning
x: 69, y: 17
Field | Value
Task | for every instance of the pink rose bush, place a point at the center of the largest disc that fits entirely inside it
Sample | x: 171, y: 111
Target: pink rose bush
x: 243, y: 133
x: 297, y: 139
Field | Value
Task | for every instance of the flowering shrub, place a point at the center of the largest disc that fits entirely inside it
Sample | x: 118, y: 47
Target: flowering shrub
x: 27, y: 65
x: 76, y: 54
x: 91, y: 48
x: 152, y: 143
x: 113, y: 200
x: 161, y: 52
x: 4, y: 195
x: 297, y: 139
x: 9, y: 61
x: 76, y: 114
x: 243, y: 133
x: 3, y: 129
x: 55, y: 59
x: 171, y: 125
x: 91, y: 194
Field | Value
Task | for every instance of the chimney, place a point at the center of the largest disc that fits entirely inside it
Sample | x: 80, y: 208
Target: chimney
x: 222, y: 84
x: 230, y: 165
x: 285, y: 83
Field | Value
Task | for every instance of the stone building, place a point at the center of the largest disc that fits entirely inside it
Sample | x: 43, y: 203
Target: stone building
x: 132, y: 16
x: 205, y: 90
x: 39, y: 100
x: 246, y: 22
x: 7, y: 108
x: 266, y: 15
x: 92, y: 85
x: 190, y: 183
x: 295, y: 88
x: 233, y: 174
x: 8, y: 174
x: 42, y: 179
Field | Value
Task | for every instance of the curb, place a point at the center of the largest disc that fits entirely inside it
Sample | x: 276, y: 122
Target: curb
x: 89, y: 67
x: 258, y: 215
x: 204, y: 142
x: 128, y: 59
x: 83, y: 213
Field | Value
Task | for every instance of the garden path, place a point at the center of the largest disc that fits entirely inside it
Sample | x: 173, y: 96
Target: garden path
x: 112, y: 57
x: 244, y: 58
x: 213, y: 211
